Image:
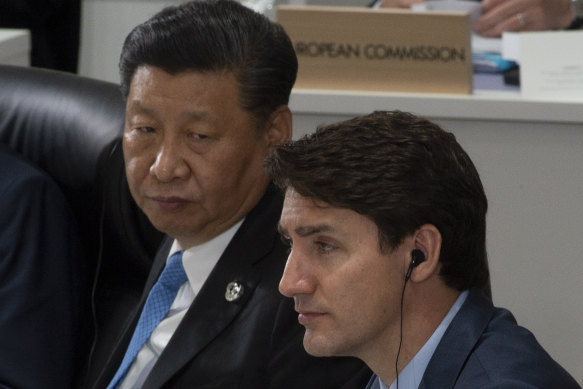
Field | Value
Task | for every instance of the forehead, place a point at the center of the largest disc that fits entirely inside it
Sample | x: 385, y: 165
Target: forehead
x: 212, y: 96
x: 303, y: 215
x: 295, y: 206
x: 152, y: 83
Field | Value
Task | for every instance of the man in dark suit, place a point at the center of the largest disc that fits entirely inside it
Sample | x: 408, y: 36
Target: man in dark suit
x: 207, y: 85
x: 386, y: 219
x: 40, y: 279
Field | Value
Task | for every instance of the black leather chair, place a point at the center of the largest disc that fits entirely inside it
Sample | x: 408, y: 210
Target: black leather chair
x: 71, y: 127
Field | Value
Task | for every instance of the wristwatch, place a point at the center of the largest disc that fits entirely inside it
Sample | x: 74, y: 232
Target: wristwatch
x: 577, y: 11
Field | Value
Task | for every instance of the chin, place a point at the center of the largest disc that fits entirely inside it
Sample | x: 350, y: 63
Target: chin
x: 172, y: 226
x: 318, y: 347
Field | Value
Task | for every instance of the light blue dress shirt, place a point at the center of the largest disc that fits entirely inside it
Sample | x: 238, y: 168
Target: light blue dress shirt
x: 410, y: 377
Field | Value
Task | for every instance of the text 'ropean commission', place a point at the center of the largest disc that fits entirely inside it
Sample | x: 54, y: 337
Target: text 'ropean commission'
x: 379, y: 51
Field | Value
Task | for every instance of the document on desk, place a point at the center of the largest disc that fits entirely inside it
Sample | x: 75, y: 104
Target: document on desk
x: 551, y: 65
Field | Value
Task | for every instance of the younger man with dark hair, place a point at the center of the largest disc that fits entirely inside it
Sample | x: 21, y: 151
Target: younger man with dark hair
x: 386, y: 219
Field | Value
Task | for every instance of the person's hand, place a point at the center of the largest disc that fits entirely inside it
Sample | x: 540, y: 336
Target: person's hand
x: 522, y: 15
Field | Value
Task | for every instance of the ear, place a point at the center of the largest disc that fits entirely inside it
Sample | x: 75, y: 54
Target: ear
x: 279, y: 126
x: 427, y: 238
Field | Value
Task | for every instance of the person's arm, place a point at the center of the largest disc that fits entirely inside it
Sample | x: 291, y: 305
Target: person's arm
x: 39, y: 290
x: 523, y: 15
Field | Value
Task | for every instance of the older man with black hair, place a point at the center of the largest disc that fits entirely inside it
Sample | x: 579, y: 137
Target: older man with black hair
x: 207, y: 85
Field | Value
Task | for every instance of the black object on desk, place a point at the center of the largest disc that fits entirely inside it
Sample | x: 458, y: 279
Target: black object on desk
x: 512, y: 76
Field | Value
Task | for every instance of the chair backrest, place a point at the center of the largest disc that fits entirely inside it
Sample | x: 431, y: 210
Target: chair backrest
x: 71, y: 127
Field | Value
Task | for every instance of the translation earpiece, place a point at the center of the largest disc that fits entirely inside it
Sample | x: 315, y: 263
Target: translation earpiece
x: 417, y: 257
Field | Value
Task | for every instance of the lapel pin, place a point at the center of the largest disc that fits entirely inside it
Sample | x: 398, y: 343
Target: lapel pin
x: 234, y: 291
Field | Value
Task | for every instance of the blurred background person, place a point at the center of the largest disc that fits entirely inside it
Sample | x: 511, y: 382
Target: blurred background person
x: 515, y: 15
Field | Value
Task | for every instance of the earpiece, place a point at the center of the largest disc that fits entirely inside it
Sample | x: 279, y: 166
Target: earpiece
x: 417, y: 257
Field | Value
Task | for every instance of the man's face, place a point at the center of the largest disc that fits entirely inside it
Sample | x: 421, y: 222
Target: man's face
x: 347, y: 292
x: 193, y: 156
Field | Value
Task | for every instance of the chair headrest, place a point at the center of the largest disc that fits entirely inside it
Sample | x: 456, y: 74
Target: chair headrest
x: 59, y: 120
x: 71, y: 127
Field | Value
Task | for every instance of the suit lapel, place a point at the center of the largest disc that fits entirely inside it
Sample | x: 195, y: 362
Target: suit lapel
x: 373, y: 383
x: 211, y: 313
x: 458, y: 341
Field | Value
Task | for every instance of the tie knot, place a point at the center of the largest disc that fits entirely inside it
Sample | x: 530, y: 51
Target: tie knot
x: 173, y: 274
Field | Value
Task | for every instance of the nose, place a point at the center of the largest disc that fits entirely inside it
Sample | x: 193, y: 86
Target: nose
x: 297, y: 278
x: 169, y: 163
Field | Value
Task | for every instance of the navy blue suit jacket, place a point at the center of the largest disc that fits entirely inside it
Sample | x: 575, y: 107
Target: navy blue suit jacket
x: 40, y: 281
x: 485, y: 348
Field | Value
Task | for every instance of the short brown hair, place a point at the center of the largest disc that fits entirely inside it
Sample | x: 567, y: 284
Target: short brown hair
x: 401, y: 171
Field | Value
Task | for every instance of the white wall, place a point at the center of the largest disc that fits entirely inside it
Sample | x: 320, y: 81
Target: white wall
x: 106, y: 23
x: 533, y: 178
x: 104, y: 26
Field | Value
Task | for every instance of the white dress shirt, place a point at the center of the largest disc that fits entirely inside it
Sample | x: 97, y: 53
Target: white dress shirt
x: 198, y: 263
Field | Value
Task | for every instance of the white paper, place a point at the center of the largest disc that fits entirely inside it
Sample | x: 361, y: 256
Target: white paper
x: 511, y: 46
x: 486, y: 45
x: 551, y: 65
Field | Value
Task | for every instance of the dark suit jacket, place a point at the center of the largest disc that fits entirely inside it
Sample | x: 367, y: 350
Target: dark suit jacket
x: 485, y: 348
x: 40, y: 279
x: 252, y: 343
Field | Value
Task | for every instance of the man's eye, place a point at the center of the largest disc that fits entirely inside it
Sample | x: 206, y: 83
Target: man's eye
x: 198, y: 136
x: 145, y: 129
x: 324, y: 247
x: 286, y: 241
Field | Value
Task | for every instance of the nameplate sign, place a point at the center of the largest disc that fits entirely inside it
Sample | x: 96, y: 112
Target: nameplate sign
x: 358, y: 48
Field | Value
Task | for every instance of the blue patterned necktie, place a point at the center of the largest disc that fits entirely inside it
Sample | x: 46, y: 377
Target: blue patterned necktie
x: 157, y: 305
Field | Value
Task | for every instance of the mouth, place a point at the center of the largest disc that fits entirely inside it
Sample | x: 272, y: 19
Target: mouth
x: 308, y: 317
x: 170, y: 203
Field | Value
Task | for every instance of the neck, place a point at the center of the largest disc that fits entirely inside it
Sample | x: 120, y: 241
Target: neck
x: 423, y: 310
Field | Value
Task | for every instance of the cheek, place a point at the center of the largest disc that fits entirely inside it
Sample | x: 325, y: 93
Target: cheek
x: 367, y: 293
x: 133, y: 170
x: 241, y: 169
x: 137, y: 163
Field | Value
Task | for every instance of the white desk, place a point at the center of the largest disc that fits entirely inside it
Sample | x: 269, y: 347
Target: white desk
x: 15, y: 47
x: 530, y: 157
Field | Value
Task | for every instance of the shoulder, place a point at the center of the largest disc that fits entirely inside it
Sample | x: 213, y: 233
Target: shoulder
x: 484, y: 347
x: 19, y: 174
x: 507, y: 355
x: 29, y: 196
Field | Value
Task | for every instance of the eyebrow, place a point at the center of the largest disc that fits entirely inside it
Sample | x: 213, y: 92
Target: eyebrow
x: 304, y: 231
x: 136, y: 107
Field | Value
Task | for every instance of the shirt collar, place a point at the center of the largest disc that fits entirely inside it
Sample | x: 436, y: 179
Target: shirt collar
x: 410, y: 377
x: 198, y: 261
